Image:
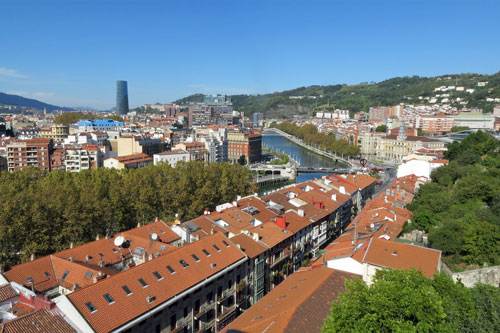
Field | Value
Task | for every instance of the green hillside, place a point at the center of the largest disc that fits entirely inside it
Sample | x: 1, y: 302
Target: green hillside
x: 359, y: 97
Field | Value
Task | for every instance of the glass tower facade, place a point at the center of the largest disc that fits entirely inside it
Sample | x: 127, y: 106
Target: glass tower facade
x: 121, y: 97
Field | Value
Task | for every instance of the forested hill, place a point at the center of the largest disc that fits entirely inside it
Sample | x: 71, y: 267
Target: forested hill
x: 15, y: 100
x: 359, y: 97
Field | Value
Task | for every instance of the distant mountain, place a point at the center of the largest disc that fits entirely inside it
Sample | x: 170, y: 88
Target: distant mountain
x: 359, y: 97
x: 16, y: 100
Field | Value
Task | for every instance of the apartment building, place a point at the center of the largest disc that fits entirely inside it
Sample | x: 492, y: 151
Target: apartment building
x: 244, y: 145
x: 33, y: 152
x: 438, y: 124
x: 196, y: 150
x: 84, y: 158
x: 55, y: 132
x: 172, y: 157
x: 192, y: 288
x: 137, y: 144
x: 135, y: 161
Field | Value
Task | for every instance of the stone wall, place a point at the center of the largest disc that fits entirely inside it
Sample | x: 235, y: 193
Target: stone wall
x: 488, y: 275
x: 417, y: 236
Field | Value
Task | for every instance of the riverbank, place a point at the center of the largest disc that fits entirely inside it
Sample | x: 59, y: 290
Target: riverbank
x: 338, y: 159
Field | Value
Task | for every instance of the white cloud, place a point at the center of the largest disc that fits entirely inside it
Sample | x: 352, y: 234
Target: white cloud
x: 11, y: 73
x: 18, y: 92
x: 28, y: 94
x: 42, y: 94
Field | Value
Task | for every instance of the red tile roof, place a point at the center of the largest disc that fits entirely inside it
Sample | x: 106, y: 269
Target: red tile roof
x: 7, y: 292
x: 298, y: 304
x: 38, y: 321
x: 384, y: 253
x: 125, y: 308
x: 251, y: 248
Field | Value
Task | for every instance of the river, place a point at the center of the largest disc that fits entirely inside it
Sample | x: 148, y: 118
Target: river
x: 303, y: 156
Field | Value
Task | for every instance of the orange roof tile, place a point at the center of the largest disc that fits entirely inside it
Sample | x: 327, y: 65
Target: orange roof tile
x: 384, y: 253
x: 251, y: 248
x: 7, y: 292
x: 300, y: 303
x: 127, y: 307
x: 39, y: 321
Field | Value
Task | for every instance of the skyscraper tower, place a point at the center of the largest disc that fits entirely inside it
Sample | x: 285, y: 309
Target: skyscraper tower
x: 121, y: 97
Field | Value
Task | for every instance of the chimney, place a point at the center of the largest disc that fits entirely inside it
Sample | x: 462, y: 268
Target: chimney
x: 97, y: 237
x: 32, y: 256
x: 197, y: 237
x: 256, y: 237
x: 156, y: 218
x: 281, y: 222
x: 238, y: 246
x: 71, y: 245
x: 138, y: 224
x: 235, y: 204
x: 212, y: 231
x: 301, y: 212
x: 334, y: 197
x: 342, y: 189
x: 387, y: 192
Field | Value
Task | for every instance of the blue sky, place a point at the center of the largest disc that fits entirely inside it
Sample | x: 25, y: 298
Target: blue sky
x: 71, y: 53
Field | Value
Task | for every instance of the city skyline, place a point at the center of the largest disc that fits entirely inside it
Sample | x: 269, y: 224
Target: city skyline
x: 68, y: 56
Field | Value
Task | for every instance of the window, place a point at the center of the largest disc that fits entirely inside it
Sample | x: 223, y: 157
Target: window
x: 65, y: 275
x: 195, y: 257
x: 197, y: 306
x: 206, y: 252
x: 47, y: 274
x: 109, y: 299
x: 91, y: 307
x: 126, y: 290
x: 143, y: 283
x: 88, y: 274
x: 215, y: 247
x: 170, y: 269
x: 157, y: 275
x: 225, y: 243
x: 185, y: 312
x: 229, y: 284
x: 173, y: 322
x: 183, y: 263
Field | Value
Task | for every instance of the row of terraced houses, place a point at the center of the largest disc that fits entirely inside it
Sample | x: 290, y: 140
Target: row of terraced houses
x: 194, y: 276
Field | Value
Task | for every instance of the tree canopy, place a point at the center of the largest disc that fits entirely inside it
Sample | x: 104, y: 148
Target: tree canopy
x: 381, y: 128
x: 43, y: 213
x: 68, y: 118
x: 407, y: 301
x: 460, y: 208
x: 309, y: 133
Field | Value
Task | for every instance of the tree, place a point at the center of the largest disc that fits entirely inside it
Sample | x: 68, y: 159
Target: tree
x: 406, y: 301
x: 397, y: 301
x: 381, y: 128
x: 44, y: 212
x: 455, y: 129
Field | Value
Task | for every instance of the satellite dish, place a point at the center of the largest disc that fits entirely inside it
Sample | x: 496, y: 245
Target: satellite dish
x: 119, y: 241
x: 154, y: 236
x: 372, y: 225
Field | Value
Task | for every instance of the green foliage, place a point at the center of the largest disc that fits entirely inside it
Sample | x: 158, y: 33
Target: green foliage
x: 309, y: 133
x: 461, y: 207
x: 455, y: 129
x: 360, y: 97
x: 381, y: 128
x: 68, y: 118
x: 43, y: 213
x: 406, y: 301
